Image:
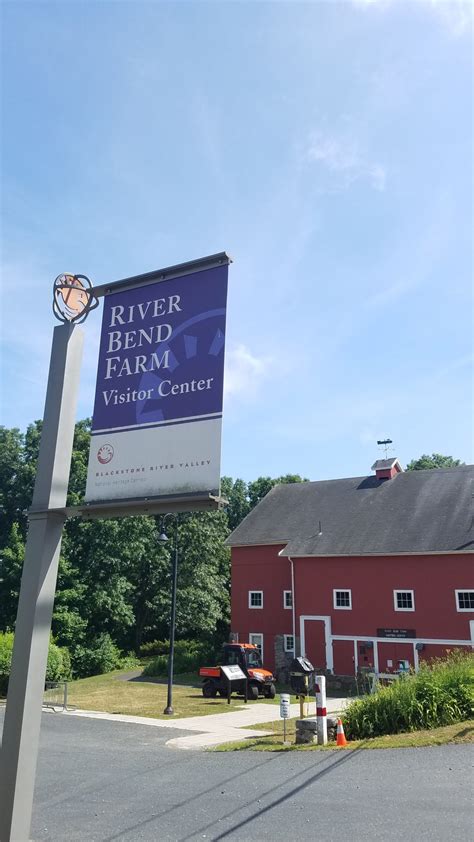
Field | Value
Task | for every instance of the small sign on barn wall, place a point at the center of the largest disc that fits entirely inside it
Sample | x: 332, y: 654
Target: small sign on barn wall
x: 401, y: 634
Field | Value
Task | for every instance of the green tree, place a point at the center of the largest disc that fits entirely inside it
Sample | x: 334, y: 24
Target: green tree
x: 203, y: 600
x: 237, y: 495
x: 102, y: 551
x: 261, y: 486
x: 79, y: 462
x: 28, y: 473
x: 11, y: 565
x: 11, y: 466
x: 148, y: 574
x: 436, y: 460
x: 69, y: 626
x: 18, y: 458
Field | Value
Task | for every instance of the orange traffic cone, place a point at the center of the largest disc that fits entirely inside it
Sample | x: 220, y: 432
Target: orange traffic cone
x: 340, y: 736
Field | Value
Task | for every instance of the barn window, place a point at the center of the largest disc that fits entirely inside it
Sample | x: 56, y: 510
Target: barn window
x: 257, y: 639
x: 255, y: 599
x: 465, y: 600
x: 289, y: 642
x: 342, y: 599
x: 404, y: 600
x: 287, y: 599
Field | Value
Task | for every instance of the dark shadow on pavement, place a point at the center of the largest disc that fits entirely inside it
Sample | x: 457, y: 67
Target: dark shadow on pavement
x: 275, y: 756
x: 186, y: 801
x: 261, y: 811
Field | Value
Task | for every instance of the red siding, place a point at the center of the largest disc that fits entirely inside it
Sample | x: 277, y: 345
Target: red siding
x: 344, y: 656
x: 260, y: 569
x: 372, y: 580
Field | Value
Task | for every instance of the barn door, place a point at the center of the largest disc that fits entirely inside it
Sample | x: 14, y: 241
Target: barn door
x: 316, y: 641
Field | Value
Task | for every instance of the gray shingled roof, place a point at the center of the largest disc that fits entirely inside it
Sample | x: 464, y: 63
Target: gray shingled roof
x: 415, y: 512
x: 382, y: 464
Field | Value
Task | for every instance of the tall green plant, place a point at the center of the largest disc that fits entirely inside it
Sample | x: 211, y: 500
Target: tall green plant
x: 58, y: 667
x: 441, y: 693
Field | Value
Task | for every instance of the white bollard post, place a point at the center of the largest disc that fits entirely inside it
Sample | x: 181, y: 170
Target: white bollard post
x: 321, y: 712
x: 284, y: 713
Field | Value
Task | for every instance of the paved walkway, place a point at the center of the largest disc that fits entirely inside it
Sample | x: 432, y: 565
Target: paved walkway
x: 214, y: 729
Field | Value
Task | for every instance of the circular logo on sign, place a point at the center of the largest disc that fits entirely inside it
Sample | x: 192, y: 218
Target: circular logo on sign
x: 105, y: 454
x: 73, y: 297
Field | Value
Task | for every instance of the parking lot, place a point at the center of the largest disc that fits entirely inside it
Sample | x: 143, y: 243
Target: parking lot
x: 100, y: 781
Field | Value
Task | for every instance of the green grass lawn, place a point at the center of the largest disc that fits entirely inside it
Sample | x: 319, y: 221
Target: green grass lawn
x: 123, y: 692
x: 461, y: 732
x: 146, y: 697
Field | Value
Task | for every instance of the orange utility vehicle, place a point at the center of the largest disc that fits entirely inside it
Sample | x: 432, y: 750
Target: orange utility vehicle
x: 247, y: 657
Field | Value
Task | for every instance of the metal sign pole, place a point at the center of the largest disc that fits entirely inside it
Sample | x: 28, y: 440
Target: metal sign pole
x: 38, y: 584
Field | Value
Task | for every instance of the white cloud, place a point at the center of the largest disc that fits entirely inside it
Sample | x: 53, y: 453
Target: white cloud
x: 244, y: 372
x: 414, y: 261
x: 378, y: 176
x: 466, y: 361
x: 342, y: 156
x: 455, y: 15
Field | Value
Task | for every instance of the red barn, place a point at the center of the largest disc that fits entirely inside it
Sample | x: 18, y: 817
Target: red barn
x: 360, y: 572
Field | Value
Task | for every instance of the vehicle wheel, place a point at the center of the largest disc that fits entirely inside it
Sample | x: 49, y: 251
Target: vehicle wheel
x: 270, y: 692
x: 222, y: 693
x: 208, y: 690
x: 253, y: 692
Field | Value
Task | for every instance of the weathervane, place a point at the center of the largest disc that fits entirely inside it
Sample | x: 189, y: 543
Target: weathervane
x: 385, y: 444
x: 73, y: 297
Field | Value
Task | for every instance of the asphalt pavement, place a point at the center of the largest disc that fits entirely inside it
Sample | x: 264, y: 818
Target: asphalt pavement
x: 100, y: 781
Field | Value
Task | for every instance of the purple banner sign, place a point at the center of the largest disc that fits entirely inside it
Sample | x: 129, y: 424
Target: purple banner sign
x: 161, y: 355
x: 158, y: 403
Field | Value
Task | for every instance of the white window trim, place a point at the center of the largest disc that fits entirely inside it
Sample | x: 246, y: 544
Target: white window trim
x: 258, y: 607
x: 334, y: 601
x: 288, y: 607
x: 260, y: 635
x: 286, y: 648
x: 463, y: 590
x: 403, y: 590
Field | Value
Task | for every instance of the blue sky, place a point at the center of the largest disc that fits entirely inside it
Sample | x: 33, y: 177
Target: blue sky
x: 326, y: 146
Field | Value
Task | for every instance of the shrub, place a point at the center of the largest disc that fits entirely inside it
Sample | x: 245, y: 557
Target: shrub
x: 189, y: 655
x: 441, y: 693
x: 158, y: 666
x: 101, y: 655
x: 129, y: 661
x: 154, y: 647
x: 59, y: 663
x: 58, y: 666
x: 6, y: 648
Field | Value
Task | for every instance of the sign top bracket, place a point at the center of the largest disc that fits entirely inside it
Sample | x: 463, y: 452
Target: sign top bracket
x: 194, y: 502
x: 166, y: 274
